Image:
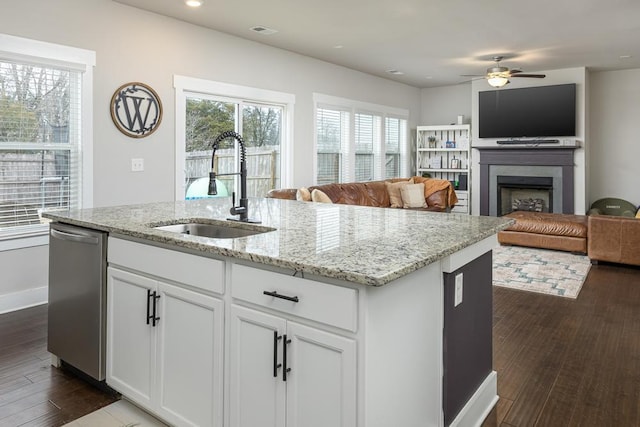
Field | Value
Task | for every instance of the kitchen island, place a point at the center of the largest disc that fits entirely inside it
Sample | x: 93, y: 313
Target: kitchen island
x: 332, y: 315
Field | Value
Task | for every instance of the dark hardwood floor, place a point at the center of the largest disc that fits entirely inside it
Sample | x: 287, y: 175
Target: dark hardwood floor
x: 565, y: 362
x: 32, y: 393
x: 560, y: 362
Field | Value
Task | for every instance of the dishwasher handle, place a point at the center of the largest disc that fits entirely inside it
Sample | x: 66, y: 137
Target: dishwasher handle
x: 79, y: 238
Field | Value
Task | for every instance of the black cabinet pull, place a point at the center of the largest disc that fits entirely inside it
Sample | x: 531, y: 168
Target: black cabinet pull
x: 154, y: 318
x: 277, y: 295
x: 276, y: 365
x: 148, y: 305
x: 285, y: 369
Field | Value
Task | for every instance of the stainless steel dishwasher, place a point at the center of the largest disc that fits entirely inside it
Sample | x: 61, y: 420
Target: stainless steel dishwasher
x: 77, y: 297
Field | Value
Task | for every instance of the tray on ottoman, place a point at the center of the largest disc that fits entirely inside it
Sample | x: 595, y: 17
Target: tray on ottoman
x: 564, y: 232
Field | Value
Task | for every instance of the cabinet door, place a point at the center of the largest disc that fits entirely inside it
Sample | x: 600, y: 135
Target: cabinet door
x: 130, y: 340
x: 190, y: 353
x: 256, y: 386
x: 321, y: 386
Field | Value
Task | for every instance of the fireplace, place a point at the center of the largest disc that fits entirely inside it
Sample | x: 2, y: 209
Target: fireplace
x: 524, y: 193
x: 538, y: 177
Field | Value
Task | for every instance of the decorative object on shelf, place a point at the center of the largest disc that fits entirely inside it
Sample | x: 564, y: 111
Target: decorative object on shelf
x: 435, y: 162
x: 426, y: 175
x: 136, y: 109
x: 450, y: 144
x: 432, y: 141
x: 460, y: 119
x: 455, y: 163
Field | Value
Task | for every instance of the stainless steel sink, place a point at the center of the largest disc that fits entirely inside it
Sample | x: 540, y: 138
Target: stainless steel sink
x: 216, y: 231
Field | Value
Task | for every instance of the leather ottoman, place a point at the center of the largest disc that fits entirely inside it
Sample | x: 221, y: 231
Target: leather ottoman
x: 563, y: 232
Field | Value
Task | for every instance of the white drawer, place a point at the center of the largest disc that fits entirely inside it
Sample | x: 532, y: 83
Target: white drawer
x: 321, y: 302
x: 193, y: 270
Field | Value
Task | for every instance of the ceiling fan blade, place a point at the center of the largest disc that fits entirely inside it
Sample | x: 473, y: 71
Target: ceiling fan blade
x: 535, y: 76
x: 515, y: 71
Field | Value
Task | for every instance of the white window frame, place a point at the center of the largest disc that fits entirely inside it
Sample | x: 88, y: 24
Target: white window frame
x: 20, y: 49
x: 354, y: 107
x: 193, y: 86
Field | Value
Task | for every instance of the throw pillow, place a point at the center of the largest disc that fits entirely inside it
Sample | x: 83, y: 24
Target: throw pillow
x: 303, y: 194
x: 320, y: 196
x: 413, y: 196
x: 638, y: 214
x: 393, y: 188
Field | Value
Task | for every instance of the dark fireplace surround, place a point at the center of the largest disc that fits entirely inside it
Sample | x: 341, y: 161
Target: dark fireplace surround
x: 534, y: 162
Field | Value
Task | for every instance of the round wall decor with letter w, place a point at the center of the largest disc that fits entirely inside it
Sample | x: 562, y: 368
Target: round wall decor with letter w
x: 136, y: 109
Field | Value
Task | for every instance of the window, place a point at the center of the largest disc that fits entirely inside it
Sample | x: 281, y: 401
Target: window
x: 359, y: 142
x: 43, y: 99
x: 210, y: 108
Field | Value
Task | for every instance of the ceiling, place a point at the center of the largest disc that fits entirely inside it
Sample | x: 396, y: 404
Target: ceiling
x: 433, y: 42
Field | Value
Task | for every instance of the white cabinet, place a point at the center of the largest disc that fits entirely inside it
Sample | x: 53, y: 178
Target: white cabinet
x: 164, y: 348
x: 444, y: 152
x: 287, y: 374
x: 130, y: 339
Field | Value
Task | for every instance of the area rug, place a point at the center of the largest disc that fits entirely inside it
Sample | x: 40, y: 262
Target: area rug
x: 539, y: 270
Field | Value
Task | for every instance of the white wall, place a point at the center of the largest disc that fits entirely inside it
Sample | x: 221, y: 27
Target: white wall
x: 134, y: 45
x: 443, y: 105
x: 615, y: 144
x: 24, y: 277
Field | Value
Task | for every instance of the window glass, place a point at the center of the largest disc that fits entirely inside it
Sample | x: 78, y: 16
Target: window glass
x: 261, y: 129
x: 39, y: 143
x: 332, y: 142
x: 355, y: 145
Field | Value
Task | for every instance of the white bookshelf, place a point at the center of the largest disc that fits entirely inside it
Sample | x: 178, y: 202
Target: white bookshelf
x: 444, y: 152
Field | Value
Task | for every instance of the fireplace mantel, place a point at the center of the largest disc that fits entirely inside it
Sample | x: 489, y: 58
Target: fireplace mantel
x: 552, y: 156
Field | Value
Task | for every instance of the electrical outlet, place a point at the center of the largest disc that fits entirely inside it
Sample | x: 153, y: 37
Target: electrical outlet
x: 137, y: 165
x: 457, y: 300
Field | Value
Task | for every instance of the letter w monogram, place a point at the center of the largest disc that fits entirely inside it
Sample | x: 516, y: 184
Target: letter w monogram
x: 136, y: 118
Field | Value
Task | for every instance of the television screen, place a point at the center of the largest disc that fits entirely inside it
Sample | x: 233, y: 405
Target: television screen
x: 532, y: 112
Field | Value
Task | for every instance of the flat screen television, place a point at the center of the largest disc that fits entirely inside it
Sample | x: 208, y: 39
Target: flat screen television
x: 532, y: 112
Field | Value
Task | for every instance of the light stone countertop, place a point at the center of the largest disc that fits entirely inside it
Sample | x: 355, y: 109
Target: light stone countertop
x: 369, y: 246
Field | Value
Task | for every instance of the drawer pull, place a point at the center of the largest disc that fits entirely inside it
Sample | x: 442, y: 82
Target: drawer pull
x: 277, y: 295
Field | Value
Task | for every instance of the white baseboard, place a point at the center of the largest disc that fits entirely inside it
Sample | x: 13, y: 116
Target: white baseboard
x: 480, y: 404
x: 23, y: 299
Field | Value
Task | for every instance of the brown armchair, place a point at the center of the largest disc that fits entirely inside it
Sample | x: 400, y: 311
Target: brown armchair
x: 614, y: 239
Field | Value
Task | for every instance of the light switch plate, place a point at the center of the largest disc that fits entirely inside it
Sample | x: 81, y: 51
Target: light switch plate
x: 137, y: 165
x: 457, y: 300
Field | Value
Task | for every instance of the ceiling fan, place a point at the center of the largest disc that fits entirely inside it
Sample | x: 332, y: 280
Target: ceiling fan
x: 498, y: 76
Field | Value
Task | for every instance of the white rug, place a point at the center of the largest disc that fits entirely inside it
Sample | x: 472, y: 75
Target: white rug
x: 539, y: 270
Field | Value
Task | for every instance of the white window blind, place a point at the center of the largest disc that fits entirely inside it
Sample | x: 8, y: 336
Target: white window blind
x: 368, y: 147
x: 40, y: 110
x: 333, y: 145
x: 395, y: 147
x: 357, y: 141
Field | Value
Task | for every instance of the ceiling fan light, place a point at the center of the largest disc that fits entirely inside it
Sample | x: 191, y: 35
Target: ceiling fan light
x: 497, y: 81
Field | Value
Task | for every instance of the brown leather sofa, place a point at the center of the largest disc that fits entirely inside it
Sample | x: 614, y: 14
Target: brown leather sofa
x: 439, y: 194
x: 562, y: 232
x: 614, y: 239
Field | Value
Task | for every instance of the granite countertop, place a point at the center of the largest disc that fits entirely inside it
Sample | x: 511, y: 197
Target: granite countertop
x: 370, y: 246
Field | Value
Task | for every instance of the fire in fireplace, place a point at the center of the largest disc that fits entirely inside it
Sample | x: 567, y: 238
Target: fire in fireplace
x: 524, y: 193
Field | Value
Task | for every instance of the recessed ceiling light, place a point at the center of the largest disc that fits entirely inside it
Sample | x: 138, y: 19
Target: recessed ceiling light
x: 263, y: 30
x: 625, y: 56
x: 338, y: 46
x: 193, y: 3
x: 428, y: 77
x: 395, y: 72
